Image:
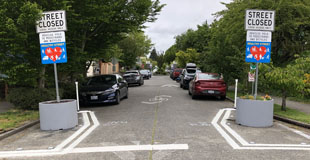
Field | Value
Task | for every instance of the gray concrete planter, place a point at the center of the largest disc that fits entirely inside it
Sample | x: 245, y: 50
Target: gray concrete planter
x: 254, y: 113
x: 56, y: 116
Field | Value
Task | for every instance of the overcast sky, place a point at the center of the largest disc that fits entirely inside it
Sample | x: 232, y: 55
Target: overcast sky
x: 177, y: 17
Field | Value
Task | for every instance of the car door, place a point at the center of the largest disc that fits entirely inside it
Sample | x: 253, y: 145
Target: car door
x: 122, y: 86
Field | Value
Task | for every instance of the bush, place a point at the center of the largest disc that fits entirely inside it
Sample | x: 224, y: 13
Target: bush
x: 68, y: 90
x: 29, y: 98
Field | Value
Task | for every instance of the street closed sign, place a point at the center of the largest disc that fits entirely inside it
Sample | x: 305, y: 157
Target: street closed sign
x: 52, y: 21
x: 259, y: 20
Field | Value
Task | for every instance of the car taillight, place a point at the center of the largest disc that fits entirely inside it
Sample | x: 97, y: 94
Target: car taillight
x: 197, y: 83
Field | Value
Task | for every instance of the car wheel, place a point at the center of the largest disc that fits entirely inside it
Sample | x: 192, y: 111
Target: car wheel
x: 189, y: 93
x: 223, y: 97
x: 117, y: 98
x: 126, y: 94
x: 193, y: 96
x: 181, y: 86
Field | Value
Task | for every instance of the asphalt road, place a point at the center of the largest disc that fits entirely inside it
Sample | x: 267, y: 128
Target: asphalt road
x: 161, y: 114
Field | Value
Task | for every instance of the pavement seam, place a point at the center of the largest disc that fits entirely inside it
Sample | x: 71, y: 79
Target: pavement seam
x: 154, y: 127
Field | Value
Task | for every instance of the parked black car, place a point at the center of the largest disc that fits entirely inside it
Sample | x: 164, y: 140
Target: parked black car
x: 133, y: 77
x: 104, y: 89
x: 145, y: 73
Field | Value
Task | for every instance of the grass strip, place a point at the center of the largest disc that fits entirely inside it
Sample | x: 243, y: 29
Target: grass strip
x: 292, y: 114
x: 16, y: 117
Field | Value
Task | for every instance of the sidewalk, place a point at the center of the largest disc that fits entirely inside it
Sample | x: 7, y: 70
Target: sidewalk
x: 5, y: 106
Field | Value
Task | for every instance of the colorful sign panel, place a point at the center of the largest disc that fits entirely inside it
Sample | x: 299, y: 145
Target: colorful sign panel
x: 53, y: 47
x: 258, y: 46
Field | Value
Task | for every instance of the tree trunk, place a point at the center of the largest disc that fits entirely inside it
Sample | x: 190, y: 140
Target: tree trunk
x: 283, y: 107
x: 42, y: 77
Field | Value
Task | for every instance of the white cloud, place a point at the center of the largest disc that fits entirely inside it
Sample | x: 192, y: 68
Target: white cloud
x: 178, y: 16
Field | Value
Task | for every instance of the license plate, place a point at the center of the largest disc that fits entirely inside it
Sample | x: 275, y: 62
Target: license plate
x: 211, y: 92
x: 93, y: 97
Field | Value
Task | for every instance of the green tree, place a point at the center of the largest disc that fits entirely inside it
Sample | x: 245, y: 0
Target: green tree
x: 289, y: 80
x: 153, y: 55
x: 170, y: 54
x: 190, y: 56
x: 94, y: 27
x: 135, y: 45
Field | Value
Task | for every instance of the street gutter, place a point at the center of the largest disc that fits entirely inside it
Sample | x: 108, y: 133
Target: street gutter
x: 283, y: 119
x: 16, y: 130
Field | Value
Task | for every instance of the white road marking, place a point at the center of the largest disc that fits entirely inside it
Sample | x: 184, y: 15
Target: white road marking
x: 131, y: 148
x: 85, y: 134
x: 295, y: 131
x: 169, y: 85
x: 245, y: 144
x: 78, y: 132
x: 157, y: 99
x: 228, y: 139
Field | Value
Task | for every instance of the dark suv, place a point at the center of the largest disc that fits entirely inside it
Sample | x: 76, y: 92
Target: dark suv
x: 187, y: 75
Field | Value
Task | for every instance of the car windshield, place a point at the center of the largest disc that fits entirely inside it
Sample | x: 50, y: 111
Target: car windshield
x: 208, y: 76
x: 102, y: 80
x: 144, y: 71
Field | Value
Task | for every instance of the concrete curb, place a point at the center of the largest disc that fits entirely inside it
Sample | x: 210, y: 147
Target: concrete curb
x: 16, y: 130
x: 290, y: 121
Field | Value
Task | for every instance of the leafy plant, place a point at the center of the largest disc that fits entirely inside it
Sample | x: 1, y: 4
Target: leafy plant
x: 29, y: 98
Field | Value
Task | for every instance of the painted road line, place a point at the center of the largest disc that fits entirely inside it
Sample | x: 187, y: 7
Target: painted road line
x: 228, y: 139
x: 57, y: 151
x: 78, y: 132
x: 131, y: 148
x: 295, y: 131
x: 231, y: 131
x: 245, y: 144
x: 85, y: 134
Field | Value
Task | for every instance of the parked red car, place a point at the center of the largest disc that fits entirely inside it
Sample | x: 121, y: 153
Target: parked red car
x: 208, y: 84
x: 176, y: 72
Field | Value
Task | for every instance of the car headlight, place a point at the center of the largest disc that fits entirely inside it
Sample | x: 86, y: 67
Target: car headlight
x: 138, y: 77
x: 109, y: 91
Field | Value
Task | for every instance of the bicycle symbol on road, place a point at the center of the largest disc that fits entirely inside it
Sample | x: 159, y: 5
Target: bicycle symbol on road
x: 157, y: 99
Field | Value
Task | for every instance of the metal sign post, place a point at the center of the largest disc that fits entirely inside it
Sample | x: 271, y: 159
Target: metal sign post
x: 56, y: 83
x: 256, y: 80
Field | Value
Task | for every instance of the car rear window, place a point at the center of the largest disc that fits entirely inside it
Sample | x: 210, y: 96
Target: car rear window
x: 132, y: 72
x: 208, y: 76
x: 191, y: 70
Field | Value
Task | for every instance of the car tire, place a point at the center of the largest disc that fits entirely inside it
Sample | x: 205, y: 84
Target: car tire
x: 126, y: 97
x: 194, y: 97
x: 181, y: 86
x: 223, y: 97
x: 117, y: 98
x: 189, y: 93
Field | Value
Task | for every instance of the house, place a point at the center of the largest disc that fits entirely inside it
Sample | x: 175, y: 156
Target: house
x: 101, y: 67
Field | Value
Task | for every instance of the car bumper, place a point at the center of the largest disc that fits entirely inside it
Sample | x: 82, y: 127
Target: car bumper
x: 132, y: 81
x: 210, y: 91
x: 96, y: 99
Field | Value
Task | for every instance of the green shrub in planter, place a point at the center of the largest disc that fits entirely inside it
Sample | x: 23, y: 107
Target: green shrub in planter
x: 29, y: 98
